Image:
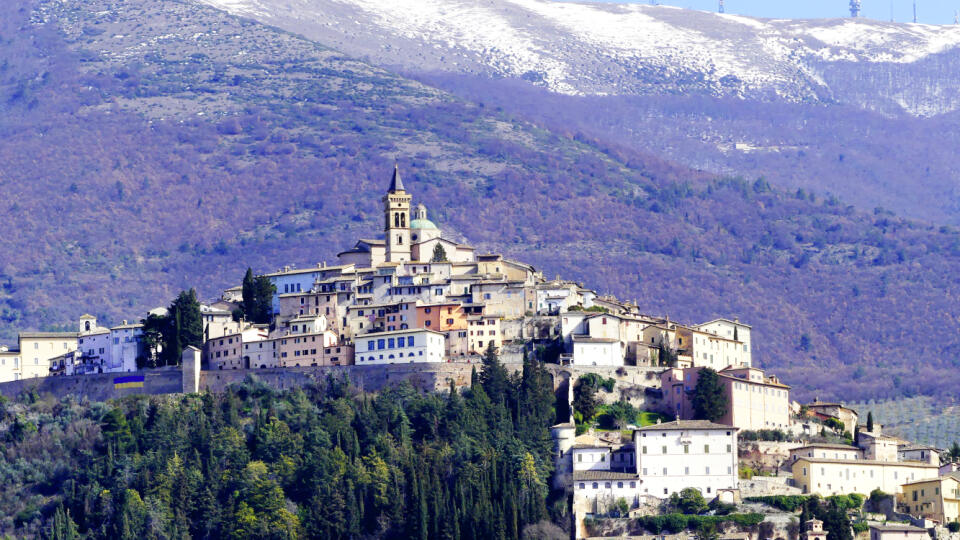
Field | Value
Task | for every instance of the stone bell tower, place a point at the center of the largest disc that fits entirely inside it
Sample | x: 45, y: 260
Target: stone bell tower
x: 396, y: 208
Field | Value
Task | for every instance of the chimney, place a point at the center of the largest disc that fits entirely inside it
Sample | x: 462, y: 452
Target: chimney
x: 124, y: 321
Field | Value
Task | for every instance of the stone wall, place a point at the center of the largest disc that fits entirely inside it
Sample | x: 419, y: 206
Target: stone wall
x: 631, y: 381
x: 97, y: 387
x: 763, y: 486
x: 425, y: 377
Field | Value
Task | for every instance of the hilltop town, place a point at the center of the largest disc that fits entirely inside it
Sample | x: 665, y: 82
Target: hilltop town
x: 659, y: 411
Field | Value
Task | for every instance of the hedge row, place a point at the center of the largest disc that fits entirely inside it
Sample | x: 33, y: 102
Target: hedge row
x: 676, y: 523
x: 792, y: 503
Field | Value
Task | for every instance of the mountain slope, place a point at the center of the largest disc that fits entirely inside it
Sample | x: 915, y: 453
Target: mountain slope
x: 155, y: 145
x: 633, y: 49
x: 861, y: 109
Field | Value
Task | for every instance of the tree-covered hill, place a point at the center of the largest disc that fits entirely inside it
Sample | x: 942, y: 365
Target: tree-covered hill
x: 149, y: 147
x: 324, y: 462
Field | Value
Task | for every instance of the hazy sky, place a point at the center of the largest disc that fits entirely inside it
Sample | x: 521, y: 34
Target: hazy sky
x: 928, y: 11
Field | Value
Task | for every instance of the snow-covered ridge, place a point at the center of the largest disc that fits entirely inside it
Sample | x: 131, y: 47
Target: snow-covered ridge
x: 602, y: 48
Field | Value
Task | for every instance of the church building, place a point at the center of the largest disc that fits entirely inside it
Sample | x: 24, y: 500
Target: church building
x: 406, y: 238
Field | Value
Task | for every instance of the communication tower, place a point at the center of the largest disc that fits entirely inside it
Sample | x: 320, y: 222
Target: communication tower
x: 854, y: 8
x: 721, y: 7
x: 914, y: 10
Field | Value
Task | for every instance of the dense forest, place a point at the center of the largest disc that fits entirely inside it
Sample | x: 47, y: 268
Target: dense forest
x: 327, y: 461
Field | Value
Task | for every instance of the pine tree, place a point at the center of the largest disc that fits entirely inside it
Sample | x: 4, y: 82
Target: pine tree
x: 870, y: 421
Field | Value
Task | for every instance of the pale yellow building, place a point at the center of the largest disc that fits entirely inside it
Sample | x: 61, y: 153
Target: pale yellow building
x: 38, y: 348
x: 826, y: 477
x: 937, y: 499
x: 482, y: 332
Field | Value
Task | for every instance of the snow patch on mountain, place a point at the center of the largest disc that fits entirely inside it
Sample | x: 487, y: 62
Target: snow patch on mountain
x: 609, y: 48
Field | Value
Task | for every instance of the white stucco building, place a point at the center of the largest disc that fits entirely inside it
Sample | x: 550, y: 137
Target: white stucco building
x: 686, y: 454
x: 413, y: 345
x: 590, y: 351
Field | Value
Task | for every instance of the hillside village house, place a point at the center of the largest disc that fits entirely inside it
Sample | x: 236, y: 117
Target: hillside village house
x: 733, y: 331
x: 9, y: 363
x: 877, y: 446
x: 937, y: 499
x: 898, y: 532
x: 686, y: 453
x: 826, y: 477
x: 826, y: 451
x: 668, y: 458
x: 413, y: 345
x: 918, y: 452
x: 226, y: 351
x: 754, y: 401
x: 848, y: 417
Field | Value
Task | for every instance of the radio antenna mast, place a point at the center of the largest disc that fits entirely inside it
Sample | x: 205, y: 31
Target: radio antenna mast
x: 914, y: 10
x: 854, y: 8
x: 721, y: 7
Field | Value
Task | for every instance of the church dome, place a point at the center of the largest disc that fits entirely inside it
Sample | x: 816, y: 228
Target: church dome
x: 420, y: 220
x: 422, y: 224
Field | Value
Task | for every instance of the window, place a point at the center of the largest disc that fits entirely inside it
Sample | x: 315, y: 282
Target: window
x: 400, y: 341
x: 579, y: 458
x: 619, y: 485
x: 706, y: 449
x: 410, y: 341
x: 583, y: 486
x: 380, y: 344
x: 686, y: 449
x: 663, y: 449
x: 643, y: 450
x: 633, y: 485
x: 729, y: 448
x: 390, y: 343
x: 606, y: 485
x: 595, y: 485
x: 708, y: 470
x: 371, y: 345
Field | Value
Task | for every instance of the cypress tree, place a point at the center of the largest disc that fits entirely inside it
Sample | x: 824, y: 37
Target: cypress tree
x: 249, y: 302
x: 709, y: 400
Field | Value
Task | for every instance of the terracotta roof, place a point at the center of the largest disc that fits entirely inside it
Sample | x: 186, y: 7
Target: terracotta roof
x: 587, y: 339
x: 686, y: 424
x: 898, y: 528
x: 603, y: 475
x: 866, y: 462
x: 828, y: 445
x: 396, y: 332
